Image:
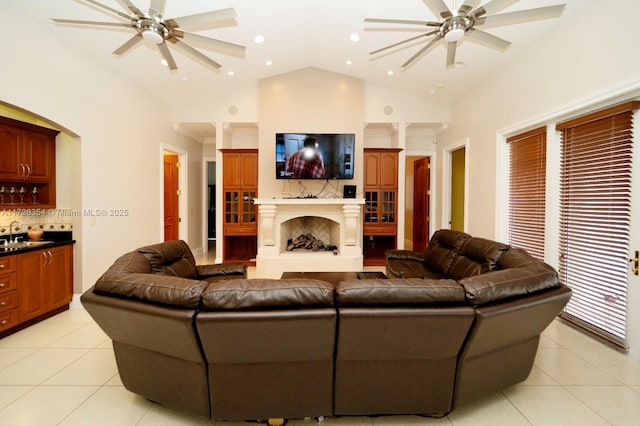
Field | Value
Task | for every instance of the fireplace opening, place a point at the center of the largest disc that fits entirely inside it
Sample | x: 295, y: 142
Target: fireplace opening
x: 310, y: 234
x: 309, y: 243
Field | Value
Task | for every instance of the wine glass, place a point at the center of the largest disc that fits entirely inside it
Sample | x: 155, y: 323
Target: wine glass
x: 21, y: 193
x: 12, y: 193
x: 3, y: 191
x: 34, y: 194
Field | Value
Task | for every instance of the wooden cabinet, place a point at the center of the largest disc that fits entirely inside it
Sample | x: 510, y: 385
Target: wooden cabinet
x: 381, y: 203
x: 8, y: 293
x: 381, y: 168
x: 240, y: 169
x: 44, y: 281
x: 27, y: 165
x: 240, y: 188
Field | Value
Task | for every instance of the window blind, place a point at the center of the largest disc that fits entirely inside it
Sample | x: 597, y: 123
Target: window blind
x: 595, y: 218
x: 527, y: 180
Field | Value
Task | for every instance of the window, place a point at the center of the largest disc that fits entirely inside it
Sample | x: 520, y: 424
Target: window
x: 527, y: 180
x: 595, y: 218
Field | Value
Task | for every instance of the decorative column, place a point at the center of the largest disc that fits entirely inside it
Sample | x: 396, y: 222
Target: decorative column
x: 267, y: 214
x: 351, y: 214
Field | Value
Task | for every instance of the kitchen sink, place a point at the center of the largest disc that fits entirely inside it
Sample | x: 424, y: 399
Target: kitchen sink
x: 24, y: 244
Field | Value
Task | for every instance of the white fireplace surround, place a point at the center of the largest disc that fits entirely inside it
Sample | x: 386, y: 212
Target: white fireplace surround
x: 343, y: 225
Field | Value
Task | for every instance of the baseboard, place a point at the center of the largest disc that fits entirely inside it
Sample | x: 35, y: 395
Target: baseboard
x: 75, y: 302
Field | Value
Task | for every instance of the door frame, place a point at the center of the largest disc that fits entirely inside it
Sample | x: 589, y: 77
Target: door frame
x: 447, y: 173
x: 433, y: 156
x: 205, y: 208
x: 183, y: 159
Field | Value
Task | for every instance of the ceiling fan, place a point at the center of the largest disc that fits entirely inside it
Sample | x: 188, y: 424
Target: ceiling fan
x: 151, y: 25
x: 463, y: 23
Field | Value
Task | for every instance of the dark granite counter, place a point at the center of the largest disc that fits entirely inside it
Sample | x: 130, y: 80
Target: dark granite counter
x: 49, y: 239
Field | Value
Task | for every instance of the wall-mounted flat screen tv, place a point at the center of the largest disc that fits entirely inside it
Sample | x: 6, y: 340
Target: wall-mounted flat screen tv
x: 314, y: 155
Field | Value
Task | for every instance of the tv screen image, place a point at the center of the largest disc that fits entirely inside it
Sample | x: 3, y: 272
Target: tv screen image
x: 314, y: 155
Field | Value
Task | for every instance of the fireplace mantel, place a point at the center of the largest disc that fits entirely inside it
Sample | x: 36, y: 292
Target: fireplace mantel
x: 271, y: 260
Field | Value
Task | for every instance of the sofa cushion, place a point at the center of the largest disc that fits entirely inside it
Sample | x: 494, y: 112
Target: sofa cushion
x: 412, y: 291
x: 406, y: 268
x: 268, y: 294
x: 132, y: 262
x: 165, y: 290
x: 507, y: 283
x: 477, y: 256
x: 443, y: 249
x: 516, y: 258
x: 171, y: 258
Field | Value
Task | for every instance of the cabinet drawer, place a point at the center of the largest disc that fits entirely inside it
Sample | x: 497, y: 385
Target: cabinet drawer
x: 241, y: 230
x: 379, y: 230
x: 8, y: 319
x: 7, y: 282
x: 8, y: 301
x: 7, y: 264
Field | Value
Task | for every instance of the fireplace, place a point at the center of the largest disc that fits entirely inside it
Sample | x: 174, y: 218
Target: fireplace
x: 335, y: 221
x: 306, y: 228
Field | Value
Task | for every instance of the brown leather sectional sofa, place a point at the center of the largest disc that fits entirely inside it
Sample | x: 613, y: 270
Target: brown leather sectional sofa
x: 193, y: 338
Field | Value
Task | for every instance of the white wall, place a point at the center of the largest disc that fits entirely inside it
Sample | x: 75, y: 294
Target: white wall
x: 120, y: 130
x: 578, y: 61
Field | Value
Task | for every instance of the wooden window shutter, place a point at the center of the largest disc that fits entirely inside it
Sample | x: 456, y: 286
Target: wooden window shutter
x: 527, y: 180
x: 595, y: 218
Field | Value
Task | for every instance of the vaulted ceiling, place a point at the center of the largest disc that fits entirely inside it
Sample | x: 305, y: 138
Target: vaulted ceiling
x: 297, y: 34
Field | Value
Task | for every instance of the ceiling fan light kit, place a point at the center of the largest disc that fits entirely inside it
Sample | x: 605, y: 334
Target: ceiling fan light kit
x: 464, y: 23
x: 151, y: 26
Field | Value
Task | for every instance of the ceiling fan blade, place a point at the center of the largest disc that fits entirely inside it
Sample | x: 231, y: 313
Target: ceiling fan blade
x: 197, y: 55
x: 214, y: 44
x: 492, y: 7
x: 402, y: 21
x: 110, y: 9
x: 489, y: 39
x: 438, y: 8
x: 402, y: 42
x: 102, y: 24
x: 130, y: 6
x: 521, y: 16
x: 158, y: 7
x: 205, y: 18
x: 422, y: 51
x: 451, y: 53
x: 468, y: 5
x: 128, y: 44
x: 167, y: 56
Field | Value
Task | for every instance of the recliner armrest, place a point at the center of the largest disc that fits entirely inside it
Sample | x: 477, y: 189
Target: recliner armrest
x: 405, y: 255
x: 226, y: 268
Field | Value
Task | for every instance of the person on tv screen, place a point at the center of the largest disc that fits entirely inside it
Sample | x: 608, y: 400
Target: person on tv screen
x: 307, y: 162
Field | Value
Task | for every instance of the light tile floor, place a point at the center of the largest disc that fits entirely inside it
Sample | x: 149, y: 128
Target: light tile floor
x: 62, y: 372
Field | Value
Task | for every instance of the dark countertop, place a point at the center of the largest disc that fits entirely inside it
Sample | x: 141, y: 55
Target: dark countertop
x: 56, y: 239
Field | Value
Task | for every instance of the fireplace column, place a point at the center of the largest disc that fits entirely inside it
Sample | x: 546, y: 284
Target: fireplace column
x: 267, y: 216
x: 351, y: 214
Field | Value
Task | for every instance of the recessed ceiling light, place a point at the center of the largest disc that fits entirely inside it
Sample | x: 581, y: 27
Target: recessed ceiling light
x: 268, y: 63
x: 390, y: 72
x: 164, y: 62
x: 354, y: 37
x: 258, y: 39
x: 184, y: 78
x: 459, y: 64
x: 349, y: 62
x: 231, y: 73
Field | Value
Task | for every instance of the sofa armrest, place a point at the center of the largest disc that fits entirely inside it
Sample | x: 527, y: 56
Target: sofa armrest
x: 153, y: 288
x: 226, y: 268
x: 405, y: 255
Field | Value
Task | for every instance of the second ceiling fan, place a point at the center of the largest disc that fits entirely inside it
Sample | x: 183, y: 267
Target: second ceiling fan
x: 456, y: 25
